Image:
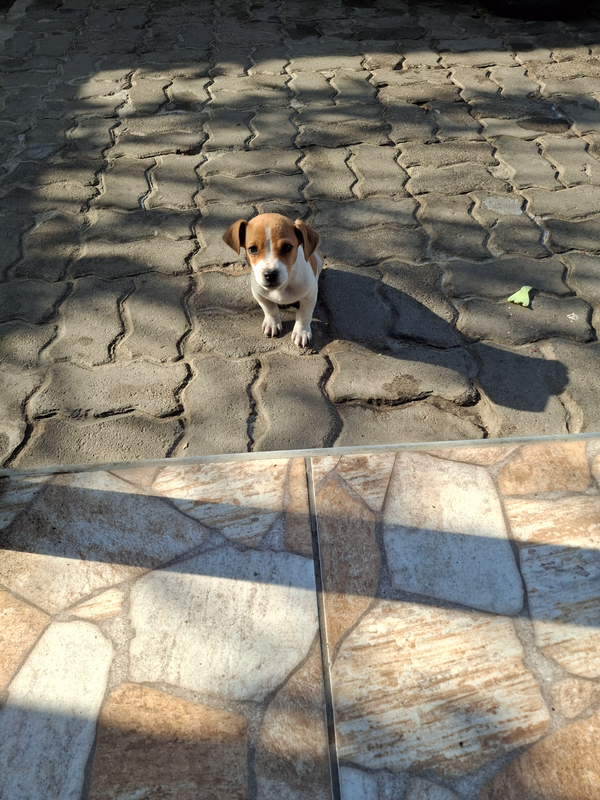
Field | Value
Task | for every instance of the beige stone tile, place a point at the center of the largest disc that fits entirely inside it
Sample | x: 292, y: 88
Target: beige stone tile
x: 101, y: 606
x: 596, y: 469
x: 418, y: 687
x: 89, y: 531
x: 241, y: 499
x: 292, y: 757
x: 445, y: 535
x: 151, y: 744
x: 573, y: 696
x: 421, y: 789
x: 226, y: 623
x: 368, y: 475
x: 16, y: 494
x: 322, y: 466
x: 552, y: 467
x: 48, y: 724
x: 564, y: 766
x: 298, y: 533
x: 20, y: 626
x: 559, y: 543
x: 483, y: 456
x: 140, y: 476
x: 350, y: 558
x: 358, y: 785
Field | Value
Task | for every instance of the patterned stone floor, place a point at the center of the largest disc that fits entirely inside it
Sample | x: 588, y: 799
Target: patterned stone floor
x: 162, y: 626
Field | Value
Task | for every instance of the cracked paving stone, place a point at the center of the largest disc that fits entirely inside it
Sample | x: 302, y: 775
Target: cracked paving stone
x: 270, y: 186
x: 206, y: 608
x: 339, y: 126
x: 369, y: 246
x: 420, y: 310
x: 145, y: 96
x: 578, y: 201
x: 67, y: 698
x: 529, y: 168
x: 125, y: 184
x: 156, y: 318
x: 109, y: 532
x: 186, y: 92
x: 451, y: 228
x: 458, y: 664
x: 327, y: 173
x: 118, y: 226
x: 356, y: 310
x: 429, y: 532
x: 21, y: 343
x: 498, y: 279
x: 272, y: 128
x: 119, y: 438
x: 117, y: 259
x: 243, y: 163
x: 452, y: 180
x: 454, y: 121
x: 507, y: 323
x: 149, y: 739
x: 378, y: 171
x: 91, y: 321
x: 114, y: 388
x: 47, y: 248
x: 31, y: 300
x: 512, y: 232
x: 159, y: 134
x: 443, y: 154
x: 521, y: 386
x: 364, y: 213
x: 582, y: 384
x: 407, y: 121
x: 572, y: 159
x: 568, y: 235
x: 293, y: 410
x: 411, y: 373
x: 16, y: 387
x: 217, y: 403
x: 227, y: 130
x: 420, y: 422
x: 174, y: 182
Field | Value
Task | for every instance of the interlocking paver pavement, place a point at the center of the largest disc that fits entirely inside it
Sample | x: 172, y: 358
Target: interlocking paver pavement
x: 445, y: 154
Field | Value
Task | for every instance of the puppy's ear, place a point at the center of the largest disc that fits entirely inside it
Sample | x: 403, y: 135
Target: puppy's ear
x: 235, y: 236
x: 308, y: 238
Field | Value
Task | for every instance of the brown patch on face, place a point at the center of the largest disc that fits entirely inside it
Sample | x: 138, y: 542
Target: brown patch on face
x: 284, y: 242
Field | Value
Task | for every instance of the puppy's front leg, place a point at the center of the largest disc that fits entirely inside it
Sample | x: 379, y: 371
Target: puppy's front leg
x: 272, y: 322
x: 301, y: 335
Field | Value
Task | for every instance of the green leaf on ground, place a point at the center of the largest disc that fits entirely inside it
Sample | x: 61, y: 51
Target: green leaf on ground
x: 521, y: 298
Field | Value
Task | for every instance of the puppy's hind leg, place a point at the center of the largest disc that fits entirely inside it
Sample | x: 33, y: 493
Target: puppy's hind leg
x: 272, y: 325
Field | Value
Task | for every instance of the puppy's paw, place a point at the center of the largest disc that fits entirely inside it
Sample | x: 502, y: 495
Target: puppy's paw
x: 271, y: 326
x: 301, y: 337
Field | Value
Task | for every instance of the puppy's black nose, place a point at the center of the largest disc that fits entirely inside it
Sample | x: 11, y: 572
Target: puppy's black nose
x: 271, y: 276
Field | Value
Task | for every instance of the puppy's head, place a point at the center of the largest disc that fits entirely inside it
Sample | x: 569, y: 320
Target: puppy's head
x: 272, y: 243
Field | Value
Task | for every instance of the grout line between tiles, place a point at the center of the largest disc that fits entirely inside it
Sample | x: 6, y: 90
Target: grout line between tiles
x: 334, y: 770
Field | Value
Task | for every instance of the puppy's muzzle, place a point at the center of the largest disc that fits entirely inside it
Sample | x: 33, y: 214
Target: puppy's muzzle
x: 271, y: 277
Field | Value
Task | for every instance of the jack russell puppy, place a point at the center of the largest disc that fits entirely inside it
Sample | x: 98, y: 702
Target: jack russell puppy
x: 285, y: 268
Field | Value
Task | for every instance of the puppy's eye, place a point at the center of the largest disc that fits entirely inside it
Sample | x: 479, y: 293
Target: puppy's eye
x: 287, y: 248
x: 253, y: 249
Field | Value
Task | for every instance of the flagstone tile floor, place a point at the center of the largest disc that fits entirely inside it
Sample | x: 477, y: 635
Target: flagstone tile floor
x: 417, y: 623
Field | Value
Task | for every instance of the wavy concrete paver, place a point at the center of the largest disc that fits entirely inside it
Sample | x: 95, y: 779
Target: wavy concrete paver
x: 462, y: 145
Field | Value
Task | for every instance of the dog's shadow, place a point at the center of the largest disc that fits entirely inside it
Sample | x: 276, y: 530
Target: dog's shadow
x: 360, y: 309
